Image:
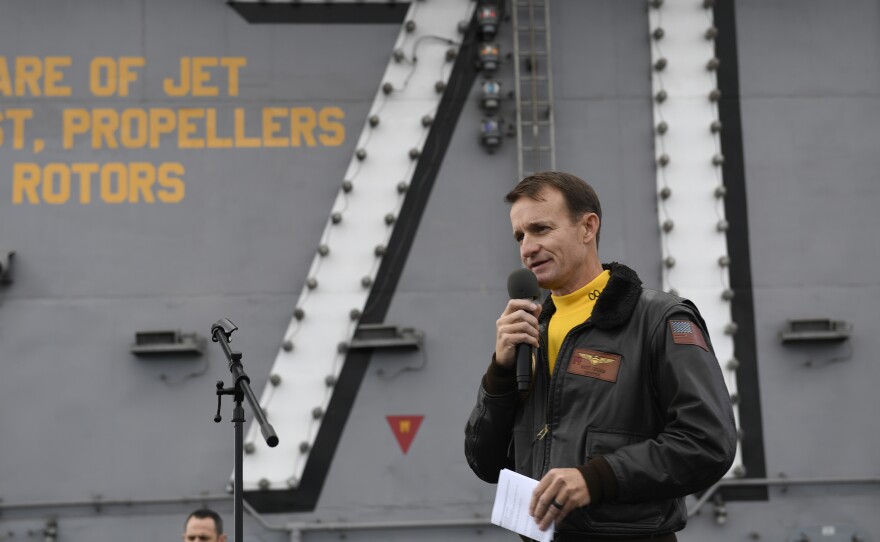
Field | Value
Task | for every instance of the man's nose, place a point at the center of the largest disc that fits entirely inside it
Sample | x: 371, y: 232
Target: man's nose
x: 528, y: 248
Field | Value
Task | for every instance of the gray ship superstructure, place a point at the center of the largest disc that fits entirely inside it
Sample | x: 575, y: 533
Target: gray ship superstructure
x: 330, y: 177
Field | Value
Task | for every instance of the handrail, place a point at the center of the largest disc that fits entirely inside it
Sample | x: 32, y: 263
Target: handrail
x: 780, y: 481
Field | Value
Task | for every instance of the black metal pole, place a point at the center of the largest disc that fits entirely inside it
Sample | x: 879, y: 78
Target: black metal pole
x: 238, y: 486
x: 243, y: 382
x: 240, y: 389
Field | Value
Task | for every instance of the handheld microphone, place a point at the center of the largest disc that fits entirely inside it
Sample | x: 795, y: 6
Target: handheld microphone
x: 522, y: 284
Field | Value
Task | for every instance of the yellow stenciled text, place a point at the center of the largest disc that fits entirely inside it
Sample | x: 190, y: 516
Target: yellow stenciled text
x: 58, y: 183
x: 34, y: 76
x: 12, y: 123
x: 199, y: 76
x: 202, y: 128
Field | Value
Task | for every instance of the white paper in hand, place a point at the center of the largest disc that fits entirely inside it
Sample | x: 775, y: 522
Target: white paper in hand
x: 511, y: 508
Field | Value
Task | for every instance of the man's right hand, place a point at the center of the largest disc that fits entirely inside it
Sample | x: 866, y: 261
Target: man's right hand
x: 518, y: 324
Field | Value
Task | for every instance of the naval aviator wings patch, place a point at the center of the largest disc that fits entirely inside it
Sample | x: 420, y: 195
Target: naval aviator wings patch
x: 686, y: 332
x: 594, y: 364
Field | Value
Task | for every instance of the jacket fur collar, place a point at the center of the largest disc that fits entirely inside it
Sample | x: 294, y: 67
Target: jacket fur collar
x: 618, y: 299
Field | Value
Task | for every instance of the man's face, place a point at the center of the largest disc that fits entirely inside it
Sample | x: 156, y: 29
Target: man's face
x: 202, y: 530
x: 555, y: 249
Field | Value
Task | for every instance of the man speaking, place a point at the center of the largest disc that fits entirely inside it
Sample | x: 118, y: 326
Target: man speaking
x: 627, y: 412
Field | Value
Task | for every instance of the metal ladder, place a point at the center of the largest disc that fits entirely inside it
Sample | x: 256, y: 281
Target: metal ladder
x: 535, y: 139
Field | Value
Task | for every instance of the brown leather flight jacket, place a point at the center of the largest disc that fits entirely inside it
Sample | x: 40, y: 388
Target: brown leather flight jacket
x: 637, y: 402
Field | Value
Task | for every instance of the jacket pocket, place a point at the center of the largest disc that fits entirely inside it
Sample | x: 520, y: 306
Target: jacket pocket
x: 525, y: 457
x: 645, y: 516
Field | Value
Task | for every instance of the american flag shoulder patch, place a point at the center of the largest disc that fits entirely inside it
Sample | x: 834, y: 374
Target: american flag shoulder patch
x: 687, y: 332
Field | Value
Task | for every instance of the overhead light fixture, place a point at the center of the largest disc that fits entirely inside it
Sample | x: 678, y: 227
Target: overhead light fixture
x: 487, y: 18
x: 490, y: 134
x: 490, y: 99
x: 489, y: 57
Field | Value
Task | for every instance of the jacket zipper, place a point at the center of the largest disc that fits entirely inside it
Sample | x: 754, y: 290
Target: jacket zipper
x: 542, y: 352
x: 546, y: 429
x: 543, y: 432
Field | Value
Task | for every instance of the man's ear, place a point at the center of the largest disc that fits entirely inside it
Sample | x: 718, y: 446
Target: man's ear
x: 590, y: 222
x: 222, y: 538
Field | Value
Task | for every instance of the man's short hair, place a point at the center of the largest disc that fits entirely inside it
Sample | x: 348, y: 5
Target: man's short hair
x: 203, y: 513
x: 579, y: 196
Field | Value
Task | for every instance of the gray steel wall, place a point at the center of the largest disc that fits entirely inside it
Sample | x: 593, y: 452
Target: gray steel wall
x: 83, y: 417
x: 810, y: 114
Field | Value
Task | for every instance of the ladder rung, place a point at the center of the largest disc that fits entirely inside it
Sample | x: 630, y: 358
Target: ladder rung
x: 522, y: 28
x: 539, y: 123
x: 529, y: 77
x: 537, y: 149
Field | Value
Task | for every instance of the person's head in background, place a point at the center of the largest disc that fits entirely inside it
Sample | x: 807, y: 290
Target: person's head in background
x: 203, y: 525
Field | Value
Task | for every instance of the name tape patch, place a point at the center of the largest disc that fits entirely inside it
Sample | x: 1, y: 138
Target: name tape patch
x: 594, y: 364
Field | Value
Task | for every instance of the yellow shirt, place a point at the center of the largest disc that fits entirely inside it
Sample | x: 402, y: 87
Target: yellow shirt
x: 571, y: 310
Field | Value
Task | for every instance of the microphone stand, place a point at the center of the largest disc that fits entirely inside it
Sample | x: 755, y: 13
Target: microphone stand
x: 221, y: 332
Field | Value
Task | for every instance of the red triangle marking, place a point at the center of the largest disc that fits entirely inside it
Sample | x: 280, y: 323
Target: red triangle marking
x: 405, y: 429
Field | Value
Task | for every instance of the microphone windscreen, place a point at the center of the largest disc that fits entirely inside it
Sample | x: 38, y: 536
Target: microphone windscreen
x: 523, y: 284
